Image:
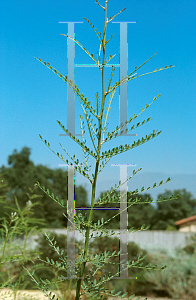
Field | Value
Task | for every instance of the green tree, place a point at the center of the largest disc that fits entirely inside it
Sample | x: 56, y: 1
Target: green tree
x: 23, y: 174
x: 4, y: 190
x: 171, y: 211
x: 141, y: 214
x: 137, y: 214
x: 161, y: 218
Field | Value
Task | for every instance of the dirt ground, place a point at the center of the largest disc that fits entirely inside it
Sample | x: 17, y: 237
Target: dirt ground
x: 6, y: 294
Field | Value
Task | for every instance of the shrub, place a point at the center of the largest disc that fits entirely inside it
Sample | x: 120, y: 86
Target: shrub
x: 178, y: 279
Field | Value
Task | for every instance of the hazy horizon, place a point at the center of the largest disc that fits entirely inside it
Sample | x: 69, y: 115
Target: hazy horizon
x: 146, y: 179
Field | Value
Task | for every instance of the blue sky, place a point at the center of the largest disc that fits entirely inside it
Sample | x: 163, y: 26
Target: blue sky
x: 33, y: 97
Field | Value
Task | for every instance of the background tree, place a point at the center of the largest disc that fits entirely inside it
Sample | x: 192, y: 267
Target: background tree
x: 137, y: 213
x: 171, y: 211
x: 161, y: 218
x: 4, y: 190
x: 23, y: 174
x: 141, y: 214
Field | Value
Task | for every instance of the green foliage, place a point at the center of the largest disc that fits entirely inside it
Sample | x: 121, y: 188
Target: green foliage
x: 47, y: 253
x: 190, y: 248
x: 171, y: 228
x: 179, y: 277
x: 12, y: 256
x: 132, y: 285
x: 50, y: 211
x: 93, y: 288
x: 23, y: 174
x: 172, y: 211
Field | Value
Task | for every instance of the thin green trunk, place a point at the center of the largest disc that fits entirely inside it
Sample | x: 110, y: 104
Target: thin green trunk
x: 97, y: 164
